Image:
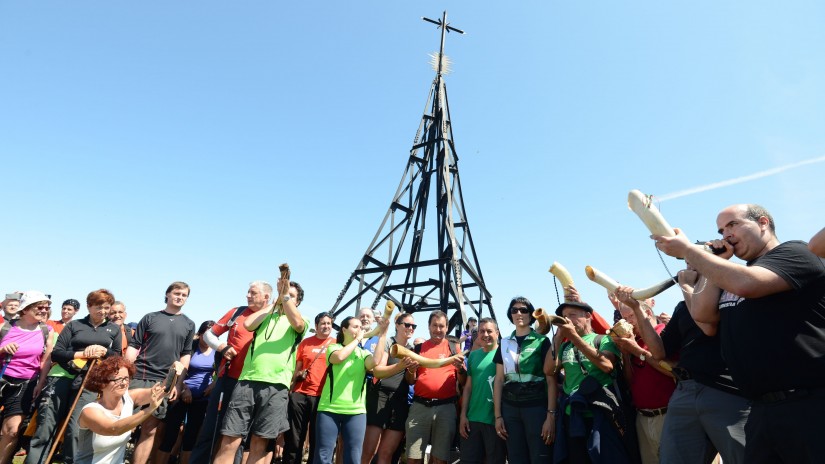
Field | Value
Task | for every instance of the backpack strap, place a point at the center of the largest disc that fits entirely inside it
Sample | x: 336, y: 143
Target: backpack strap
x: 7, y: 325
x: 235, y: 316
x: 45, y: 329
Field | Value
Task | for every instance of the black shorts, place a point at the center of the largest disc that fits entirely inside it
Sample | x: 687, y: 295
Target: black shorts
x: 16, y: 395
x: 387, y: 409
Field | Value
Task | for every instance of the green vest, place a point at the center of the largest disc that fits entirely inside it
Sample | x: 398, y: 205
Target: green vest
x: 524, y: 364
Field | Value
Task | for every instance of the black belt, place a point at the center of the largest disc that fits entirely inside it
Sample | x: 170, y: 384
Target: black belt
x: 796, y: 393
x: 681, y: 374
x: 430, y: 402
x: 653, y: 412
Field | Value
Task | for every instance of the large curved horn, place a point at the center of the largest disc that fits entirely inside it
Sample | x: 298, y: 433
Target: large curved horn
x: 611, y: 285
x: 387, y: 313
x: 398, y: 351
x: 545, y: 319
x: 641, y: 204
x: 561, y: 273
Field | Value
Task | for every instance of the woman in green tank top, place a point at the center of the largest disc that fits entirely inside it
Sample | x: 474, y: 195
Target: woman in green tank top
x: 342, y: 406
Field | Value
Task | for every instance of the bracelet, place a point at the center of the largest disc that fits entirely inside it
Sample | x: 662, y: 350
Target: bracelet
x: 498, y: 417
x: 551, y: 411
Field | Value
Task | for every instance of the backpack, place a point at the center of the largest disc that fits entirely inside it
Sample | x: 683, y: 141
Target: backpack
x: 12, y: 323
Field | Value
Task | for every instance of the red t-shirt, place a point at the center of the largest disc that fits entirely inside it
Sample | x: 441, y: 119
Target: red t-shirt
x: 238, y: 339
x: 57, y: 326
x: 438, y: 383
x: 650, y: 388
x: 310, y: 354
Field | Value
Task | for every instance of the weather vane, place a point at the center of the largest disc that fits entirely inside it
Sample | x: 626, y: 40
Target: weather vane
x: 440, y: 62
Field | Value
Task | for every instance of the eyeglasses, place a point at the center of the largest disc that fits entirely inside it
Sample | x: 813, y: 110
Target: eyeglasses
x: 519, y: 309
x: 409, y: 325
x: 120, y: 380
x: 43, y: 307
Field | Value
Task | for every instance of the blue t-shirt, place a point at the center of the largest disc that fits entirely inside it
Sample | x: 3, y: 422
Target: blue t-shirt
x: 200, y: 372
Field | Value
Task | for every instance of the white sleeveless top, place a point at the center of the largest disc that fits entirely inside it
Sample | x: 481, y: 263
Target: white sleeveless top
x: 101, y: 449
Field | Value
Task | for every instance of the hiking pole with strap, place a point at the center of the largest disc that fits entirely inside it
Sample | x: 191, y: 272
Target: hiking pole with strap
x: 65, y: 424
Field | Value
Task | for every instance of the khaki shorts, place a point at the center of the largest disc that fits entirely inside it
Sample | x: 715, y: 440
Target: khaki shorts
x: 434, y: 426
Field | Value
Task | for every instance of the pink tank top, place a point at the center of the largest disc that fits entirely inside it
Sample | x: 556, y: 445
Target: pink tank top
x: 25, y: 364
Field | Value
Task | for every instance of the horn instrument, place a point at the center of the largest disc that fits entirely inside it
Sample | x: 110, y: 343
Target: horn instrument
x: 643, y: 206
x: 611, y: 285
x: 544, y: 320
x: 398, y: 351
x: 388, y: 309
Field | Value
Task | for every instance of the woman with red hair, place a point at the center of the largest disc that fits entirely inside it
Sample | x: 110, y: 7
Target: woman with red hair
x: 107, y: 424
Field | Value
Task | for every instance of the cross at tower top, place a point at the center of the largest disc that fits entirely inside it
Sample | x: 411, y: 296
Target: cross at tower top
x: 440, y: 62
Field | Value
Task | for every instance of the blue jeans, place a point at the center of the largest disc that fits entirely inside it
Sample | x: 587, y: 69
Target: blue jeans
x: 327, y: 427
x: 524, y: 442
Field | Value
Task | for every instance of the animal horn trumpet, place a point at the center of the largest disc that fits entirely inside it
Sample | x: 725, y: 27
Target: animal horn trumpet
x: 388, y: 309
x: 643, y: 206
x: 561, y: 273
x: 398, y: 351
x: 544, y: 320
x: 611, y: 285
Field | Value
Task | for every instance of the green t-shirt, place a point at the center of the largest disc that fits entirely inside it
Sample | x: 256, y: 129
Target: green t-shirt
x: 348, y: 383
x: 482, y: 370
x: 573, y: 375
x: 271, y: 357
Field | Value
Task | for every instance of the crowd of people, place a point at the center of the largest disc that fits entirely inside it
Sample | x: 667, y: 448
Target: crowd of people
x: 737, y: 372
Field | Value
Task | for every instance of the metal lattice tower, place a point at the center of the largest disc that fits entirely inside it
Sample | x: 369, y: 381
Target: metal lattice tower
x: 397, y: 265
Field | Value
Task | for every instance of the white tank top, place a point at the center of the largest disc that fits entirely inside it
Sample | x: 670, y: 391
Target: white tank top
x: 101, y: 449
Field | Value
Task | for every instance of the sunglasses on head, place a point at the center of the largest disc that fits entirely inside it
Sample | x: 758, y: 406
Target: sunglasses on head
x: 519, y: 309
x: 409, y: 325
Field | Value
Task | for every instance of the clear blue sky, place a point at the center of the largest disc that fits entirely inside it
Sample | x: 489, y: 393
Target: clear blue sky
x: 146, y: 142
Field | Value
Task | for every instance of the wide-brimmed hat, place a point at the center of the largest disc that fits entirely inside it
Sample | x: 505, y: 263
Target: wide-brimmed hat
x: 31, y: 297
x: 574, y: 304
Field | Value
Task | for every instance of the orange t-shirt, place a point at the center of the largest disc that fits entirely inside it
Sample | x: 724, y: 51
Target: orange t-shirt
x: 238, y: 339
x: 57, y: 326
x: 437, y: 383
x: 311, y: 355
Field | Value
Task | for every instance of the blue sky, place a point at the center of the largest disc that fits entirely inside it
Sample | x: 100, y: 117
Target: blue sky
x: 146, y: 142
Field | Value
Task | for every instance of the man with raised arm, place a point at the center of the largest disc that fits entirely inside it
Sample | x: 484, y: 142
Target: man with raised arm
x: 770, y: 314
x: 707, y: 412
x: 233, y: 352
x: 161, y: 339
x: 258, y: 405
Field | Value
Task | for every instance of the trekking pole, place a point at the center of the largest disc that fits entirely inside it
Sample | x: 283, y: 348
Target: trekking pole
x: 215, y: 430
x: 71, y: 410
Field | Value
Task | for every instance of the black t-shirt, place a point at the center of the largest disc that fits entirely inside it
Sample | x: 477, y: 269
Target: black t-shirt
x: 79, y: 334
x: 161, y: 338
x: 777, y: 342
x: 699, y: 354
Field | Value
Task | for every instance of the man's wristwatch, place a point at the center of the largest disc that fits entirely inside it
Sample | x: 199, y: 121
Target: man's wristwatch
x: 286, y: 298
x: 642, y: 357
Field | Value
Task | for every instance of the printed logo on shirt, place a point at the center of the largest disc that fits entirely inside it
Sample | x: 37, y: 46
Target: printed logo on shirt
x: 729, y: 300
x: 567, y: 356
x: 490, y: 380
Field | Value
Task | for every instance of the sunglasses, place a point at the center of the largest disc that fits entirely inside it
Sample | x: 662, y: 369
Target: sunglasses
x: 119, y: 380
x: 409, y: 325
x: 519, y: 309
